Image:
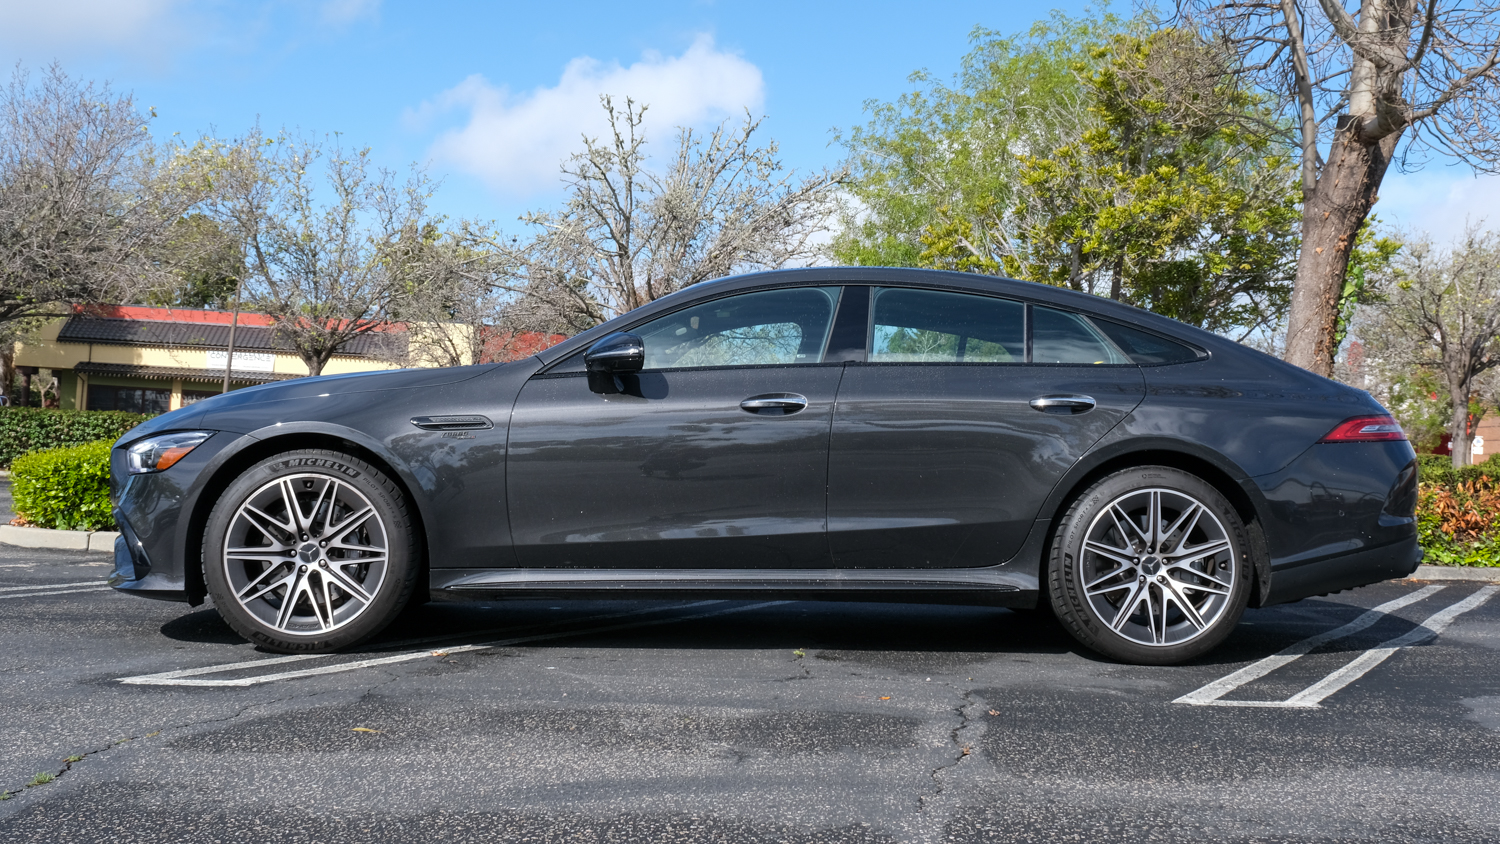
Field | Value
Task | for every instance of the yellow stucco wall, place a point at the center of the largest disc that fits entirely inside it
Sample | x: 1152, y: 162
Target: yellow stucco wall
x: 45, y: 351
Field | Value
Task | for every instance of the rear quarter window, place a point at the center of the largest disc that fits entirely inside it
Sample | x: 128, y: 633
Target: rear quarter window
x: 1143, y: 347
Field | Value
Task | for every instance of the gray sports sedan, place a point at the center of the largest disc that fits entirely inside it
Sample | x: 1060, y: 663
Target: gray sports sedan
x: 827, y: 434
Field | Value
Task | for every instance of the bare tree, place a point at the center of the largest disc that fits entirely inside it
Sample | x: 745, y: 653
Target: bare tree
x: 461, y: 310
x: 326, y: 272
x: 1440, y: 310
x: 1355, y: 81
x: 87, y: 203
x: 629, y: 235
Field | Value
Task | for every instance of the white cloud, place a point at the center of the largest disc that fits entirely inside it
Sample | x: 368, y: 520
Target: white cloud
x: 1439, y: 201
x: 515, y: 142
x: 341, y: 12
x: 71, y: 24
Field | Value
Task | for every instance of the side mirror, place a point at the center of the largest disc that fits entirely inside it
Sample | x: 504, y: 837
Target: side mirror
x: 616, y: 354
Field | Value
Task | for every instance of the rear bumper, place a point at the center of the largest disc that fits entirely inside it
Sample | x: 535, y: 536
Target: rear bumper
x: 1345, y: 571
x: 1339, y: 516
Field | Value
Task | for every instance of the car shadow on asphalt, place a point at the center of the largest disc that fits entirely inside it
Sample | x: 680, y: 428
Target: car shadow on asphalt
x: 966, y: 634
x: 820, y: 625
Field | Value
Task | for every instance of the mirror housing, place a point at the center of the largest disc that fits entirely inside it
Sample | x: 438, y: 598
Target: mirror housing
x: 616, y: 354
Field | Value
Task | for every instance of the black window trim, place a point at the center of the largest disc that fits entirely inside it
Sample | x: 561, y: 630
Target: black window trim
x: 549, y: 370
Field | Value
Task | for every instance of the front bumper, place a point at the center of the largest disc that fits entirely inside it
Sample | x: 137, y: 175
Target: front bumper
x: 133, y: 572
x: 154, y: 513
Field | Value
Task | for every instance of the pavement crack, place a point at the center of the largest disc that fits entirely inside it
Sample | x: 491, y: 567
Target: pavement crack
x: 961, y: 748
x: 48, y: 777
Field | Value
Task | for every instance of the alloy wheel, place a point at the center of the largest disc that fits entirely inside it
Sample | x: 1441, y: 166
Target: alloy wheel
x: 306, y: 554
x: 1158, y: 567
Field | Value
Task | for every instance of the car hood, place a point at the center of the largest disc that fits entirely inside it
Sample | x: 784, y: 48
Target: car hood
x: 192, y: 416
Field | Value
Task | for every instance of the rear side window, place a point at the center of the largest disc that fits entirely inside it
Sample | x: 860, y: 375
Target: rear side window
x: 1144, y: 347
x: 932, y: 326
x: 1063, y: 337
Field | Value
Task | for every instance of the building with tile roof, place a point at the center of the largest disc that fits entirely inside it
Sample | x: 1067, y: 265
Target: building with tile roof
x: 151, y: 360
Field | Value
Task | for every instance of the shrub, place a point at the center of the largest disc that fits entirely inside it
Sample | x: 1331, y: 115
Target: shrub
x: 1458, y: 512
x: 64, y: 488
x: 24, y: 429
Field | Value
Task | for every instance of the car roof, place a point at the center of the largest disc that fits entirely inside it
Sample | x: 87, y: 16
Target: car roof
x: 896, y: 276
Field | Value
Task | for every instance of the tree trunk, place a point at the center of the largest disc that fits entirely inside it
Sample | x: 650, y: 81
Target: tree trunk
x: 1459, y: 436
x: 8, y: 370
x: 1331, y: 217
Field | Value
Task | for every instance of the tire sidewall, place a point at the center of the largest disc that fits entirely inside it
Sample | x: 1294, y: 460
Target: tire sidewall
x: 401, y: 569
x: 1066, y: 592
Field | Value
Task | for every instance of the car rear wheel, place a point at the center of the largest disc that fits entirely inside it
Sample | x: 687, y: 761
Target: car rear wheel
x: 310, y: 551
x: 1151, y: 565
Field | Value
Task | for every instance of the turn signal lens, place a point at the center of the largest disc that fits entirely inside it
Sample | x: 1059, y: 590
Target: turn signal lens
x: 155, y: 454
x: 1365, y: 429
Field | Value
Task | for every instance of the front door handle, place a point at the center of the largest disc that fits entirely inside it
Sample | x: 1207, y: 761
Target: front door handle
x: 774, y: 404
x: 1063, y: 404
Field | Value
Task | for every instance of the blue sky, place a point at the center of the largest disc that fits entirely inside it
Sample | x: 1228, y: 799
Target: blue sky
x: 491, y: 96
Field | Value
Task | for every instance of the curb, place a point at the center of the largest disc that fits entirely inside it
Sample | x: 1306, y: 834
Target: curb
x: 62, y: 540
x: 1480, y: 573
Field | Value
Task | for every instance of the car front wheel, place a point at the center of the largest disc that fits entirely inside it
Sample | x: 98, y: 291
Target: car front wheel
x: 310, y: 551
x: 1151, y: 565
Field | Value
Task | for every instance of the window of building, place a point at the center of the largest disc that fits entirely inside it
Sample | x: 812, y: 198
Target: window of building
x: 129, y: 399
x: 190, y: 396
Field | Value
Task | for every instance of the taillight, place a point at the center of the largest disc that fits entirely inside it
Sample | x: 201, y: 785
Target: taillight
x: 1365, y: 429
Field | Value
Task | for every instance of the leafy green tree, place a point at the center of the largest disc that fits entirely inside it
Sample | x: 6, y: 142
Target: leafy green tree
x: 1093, y: 155
x: 946, y: 154
x: 1180, y: 199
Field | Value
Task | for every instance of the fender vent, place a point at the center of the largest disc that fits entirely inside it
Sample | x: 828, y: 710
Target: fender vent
x: 451, y: 423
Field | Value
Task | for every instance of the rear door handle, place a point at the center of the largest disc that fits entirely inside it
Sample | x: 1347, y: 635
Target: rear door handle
x: 774, y: 404
x: 1063, y: 404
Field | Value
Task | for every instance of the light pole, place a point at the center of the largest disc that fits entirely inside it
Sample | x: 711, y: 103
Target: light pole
x: 234, y: 323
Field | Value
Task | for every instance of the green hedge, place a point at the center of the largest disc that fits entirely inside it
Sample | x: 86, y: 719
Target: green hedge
x: 1438, y: 469
x: 64, y: 488
x: 1458, y: 512
x: 26, y: 429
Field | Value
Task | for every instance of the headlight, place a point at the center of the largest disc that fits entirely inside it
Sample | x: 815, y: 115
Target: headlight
x: 153, y: 454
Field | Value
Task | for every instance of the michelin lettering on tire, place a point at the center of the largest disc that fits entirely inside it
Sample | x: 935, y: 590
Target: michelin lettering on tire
x: 310, y: 551
x: 1150, y: 565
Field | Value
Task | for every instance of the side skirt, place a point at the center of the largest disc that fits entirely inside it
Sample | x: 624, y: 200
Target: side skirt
x: 995, y: 586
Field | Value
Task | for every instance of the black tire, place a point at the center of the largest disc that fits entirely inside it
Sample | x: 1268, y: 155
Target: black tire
x: 1150, y: 597
x: 349, y: 573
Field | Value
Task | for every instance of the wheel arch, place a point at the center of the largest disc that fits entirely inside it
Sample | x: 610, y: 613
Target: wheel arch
x: 258, y: 448
x: 1217, y: 471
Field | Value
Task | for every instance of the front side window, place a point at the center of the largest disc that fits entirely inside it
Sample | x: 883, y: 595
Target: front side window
x: 753, y: 329
x: 933, y: 326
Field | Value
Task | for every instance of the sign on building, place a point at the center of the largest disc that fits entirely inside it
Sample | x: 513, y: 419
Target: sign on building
x: 243, y: 361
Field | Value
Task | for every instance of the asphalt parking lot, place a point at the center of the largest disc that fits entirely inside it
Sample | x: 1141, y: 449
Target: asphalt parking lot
x: 734, y: 721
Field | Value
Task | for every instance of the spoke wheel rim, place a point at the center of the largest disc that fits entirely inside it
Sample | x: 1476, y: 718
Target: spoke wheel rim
x: 1157, y: 567
x: 306, y: 554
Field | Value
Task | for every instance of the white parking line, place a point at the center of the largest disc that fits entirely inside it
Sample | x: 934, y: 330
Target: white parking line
x: 45, y: 594
x: 1312, y: 697
x: 1314, y: 694
x: 35, y: 586
x: 193, y: 676
x: 1213, y: 691
x: 250, y: 664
